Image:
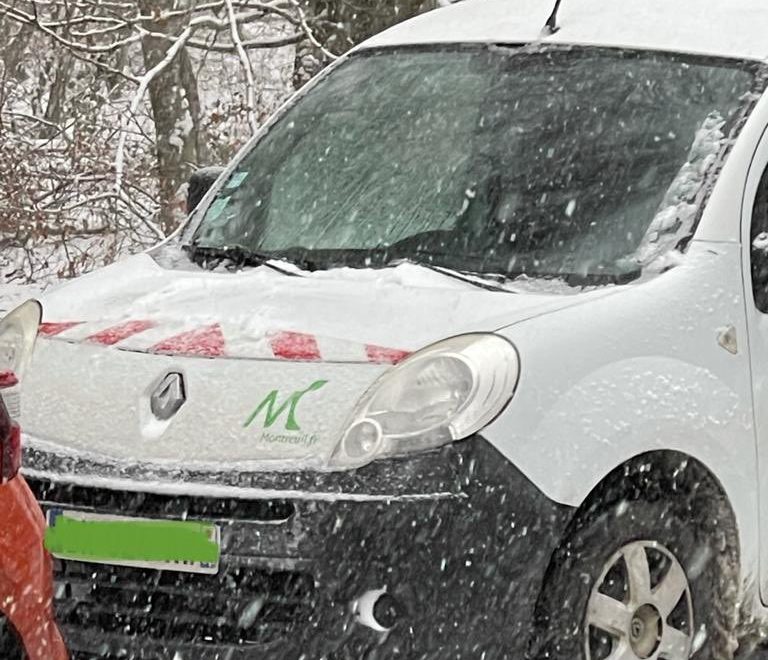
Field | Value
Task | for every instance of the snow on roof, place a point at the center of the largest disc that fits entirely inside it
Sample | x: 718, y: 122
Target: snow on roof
x: 732, y: 28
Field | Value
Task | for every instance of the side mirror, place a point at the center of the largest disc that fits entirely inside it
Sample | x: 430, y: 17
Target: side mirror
x: 199, y: 183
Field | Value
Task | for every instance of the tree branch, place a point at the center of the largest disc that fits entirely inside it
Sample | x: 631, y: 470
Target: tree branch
x: 247, y: 69
x: 310, y: 34
x: 252, y: 44
x: 147, y: 78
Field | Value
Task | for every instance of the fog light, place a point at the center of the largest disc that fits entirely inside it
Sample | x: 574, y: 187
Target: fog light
x: 362, y: 439
x: 387, y: 610
x: 377, y: 610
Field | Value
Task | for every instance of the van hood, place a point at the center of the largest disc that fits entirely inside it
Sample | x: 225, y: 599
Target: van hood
x: 259, y: 370
x: 342, y: 315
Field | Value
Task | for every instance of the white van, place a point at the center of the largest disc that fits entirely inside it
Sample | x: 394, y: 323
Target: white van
x: 464, y: 356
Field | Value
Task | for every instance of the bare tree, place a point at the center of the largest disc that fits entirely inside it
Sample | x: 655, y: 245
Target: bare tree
x: 342, y: 24
x: 107, y: 106
x: 175, y: 105
x: 102, y: 117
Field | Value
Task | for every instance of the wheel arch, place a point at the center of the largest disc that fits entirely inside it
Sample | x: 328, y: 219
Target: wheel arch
x: 651, y: 477
x: 654, y: 475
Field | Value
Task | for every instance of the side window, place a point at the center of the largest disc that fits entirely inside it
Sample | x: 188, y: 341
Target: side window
x: 759, y: 245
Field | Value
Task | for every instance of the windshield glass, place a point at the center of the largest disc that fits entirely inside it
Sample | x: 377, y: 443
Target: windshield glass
x: 555, y: 162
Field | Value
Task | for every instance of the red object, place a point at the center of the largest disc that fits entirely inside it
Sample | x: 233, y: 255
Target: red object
x: 8, y: 379
x: 295, y: 346
x: 118, y: 333
x: 53, y: 329
x: 381, y: 355
x: 203, y: 342
x: 26, y: 573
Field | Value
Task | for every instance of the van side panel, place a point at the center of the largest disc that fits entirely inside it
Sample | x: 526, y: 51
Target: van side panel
x: 639, y: 371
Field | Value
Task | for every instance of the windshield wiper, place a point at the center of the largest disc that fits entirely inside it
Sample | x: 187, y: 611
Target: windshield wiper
x: 581, y: 280
x: 238, y: 255
x: 576, y: 280
x: 463, y: 276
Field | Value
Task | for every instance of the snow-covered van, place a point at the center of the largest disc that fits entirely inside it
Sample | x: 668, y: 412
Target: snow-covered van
x: 465, y: 355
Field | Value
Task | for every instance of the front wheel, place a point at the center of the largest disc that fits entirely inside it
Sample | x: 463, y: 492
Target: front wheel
x: 640, y: 607
x: 638, y: 580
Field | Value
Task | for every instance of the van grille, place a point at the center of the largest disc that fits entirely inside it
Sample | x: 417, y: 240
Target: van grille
x: 240, y: 605
x: 243, y: 604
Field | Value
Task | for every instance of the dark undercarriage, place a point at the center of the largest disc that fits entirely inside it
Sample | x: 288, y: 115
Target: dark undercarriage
x: 458, y: 537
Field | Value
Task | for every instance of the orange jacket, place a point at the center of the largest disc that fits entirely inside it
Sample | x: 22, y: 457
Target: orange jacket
x: 26, y: 580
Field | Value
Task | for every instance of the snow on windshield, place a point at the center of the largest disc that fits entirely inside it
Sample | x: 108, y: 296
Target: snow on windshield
x: 543, y: 162
x: 676, y: 217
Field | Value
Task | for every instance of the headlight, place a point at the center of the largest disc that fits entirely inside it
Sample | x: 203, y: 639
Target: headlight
x: 18, y: 332
x: 445, y: 392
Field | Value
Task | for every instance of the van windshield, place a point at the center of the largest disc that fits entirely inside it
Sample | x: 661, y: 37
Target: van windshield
x: 583, y: 164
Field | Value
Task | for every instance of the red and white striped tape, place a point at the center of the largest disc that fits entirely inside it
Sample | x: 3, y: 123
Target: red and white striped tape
x: 210, y: 341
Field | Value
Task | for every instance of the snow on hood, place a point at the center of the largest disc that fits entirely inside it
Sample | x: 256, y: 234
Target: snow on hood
x: 345, y: 315
x: 321, y: 340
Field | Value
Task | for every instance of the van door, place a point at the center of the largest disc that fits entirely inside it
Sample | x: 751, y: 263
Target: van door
x: 755, y: 256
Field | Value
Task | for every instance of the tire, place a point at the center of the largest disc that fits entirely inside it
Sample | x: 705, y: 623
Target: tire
x: 682, y: 544
x: 10, y: 645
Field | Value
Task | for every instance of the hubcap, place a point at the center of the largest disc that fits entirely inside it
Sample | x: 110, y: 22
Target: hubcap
x: 640, y: 607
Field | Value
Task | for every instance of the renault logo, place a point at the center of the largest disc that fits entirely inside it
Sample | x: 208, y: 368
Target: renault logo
x: 168, y: 397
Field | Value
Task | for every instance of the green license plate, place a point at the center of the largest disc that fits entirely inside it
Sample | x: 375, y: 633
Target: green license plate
x: 170, y: 545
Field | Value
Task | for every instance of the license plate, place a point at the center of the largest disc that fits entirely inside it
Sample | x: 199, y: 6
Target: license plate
x: 167, y: 545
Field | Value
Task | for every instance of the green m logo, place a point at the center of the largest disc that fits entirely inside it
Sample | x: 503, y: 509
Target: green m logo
x: 273, y: 411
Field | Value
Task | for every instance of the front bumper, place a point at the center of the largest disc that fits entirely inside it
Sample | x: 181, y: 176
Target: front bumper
x: 458, y: 536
